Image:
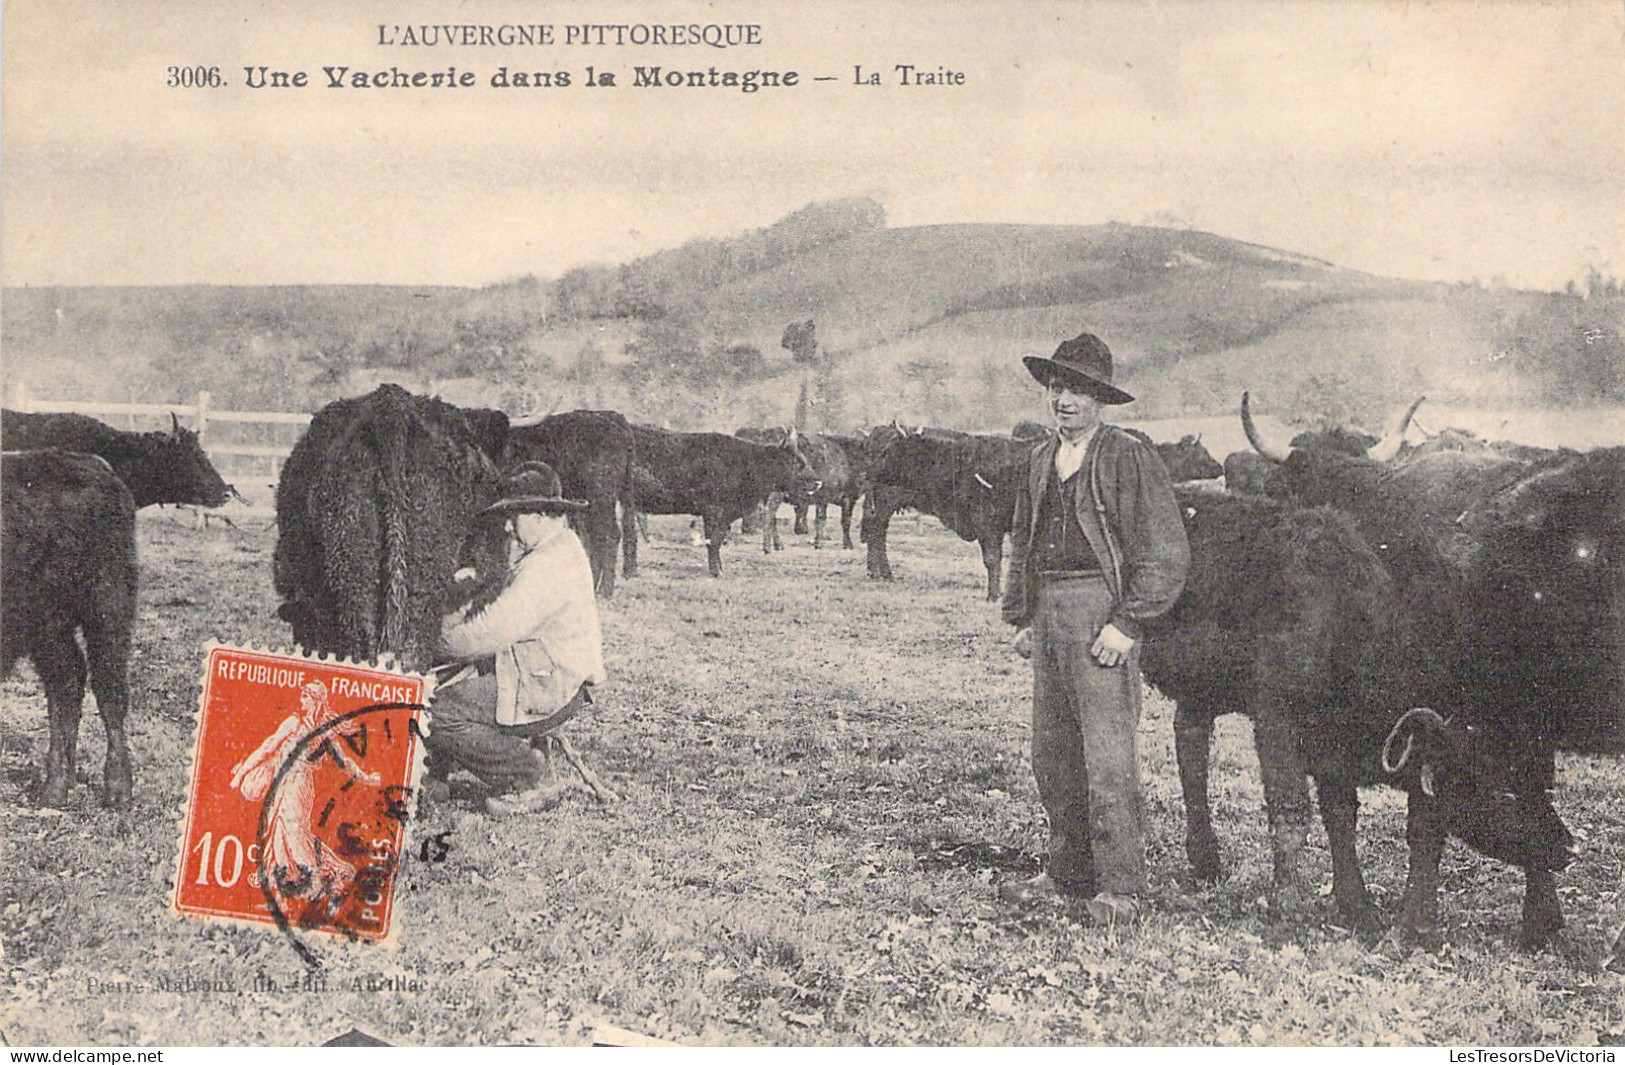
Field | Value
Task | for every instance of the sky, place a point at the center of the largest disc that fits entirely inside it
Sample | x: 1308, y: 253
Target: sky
x: 1443, y: 141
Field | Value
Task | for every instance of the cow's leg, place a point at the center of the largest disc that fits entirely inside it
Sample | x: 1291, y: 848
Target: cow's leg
x: 801, y: 520
x: 1424, y: 833
x: 820, y: 518
x: 715, y: 532
x: 767, y: 517
x: 876, y: 519
x: 1286, y: 800
x: 635, y: 526
x: 601, y: 535
x: 1193, y: 739
x: 1542, y: 912
x: 61, y: 668
x: 847, y: 507
x: 1340, y: 811
x: 993, y: 559
x: 107, y: 639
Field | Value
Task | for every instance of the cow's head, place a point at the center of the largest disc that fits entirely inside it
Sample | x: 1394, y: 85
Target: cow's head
x: 173, y: 468
x: 804, y: 481
x: 1485, y: 791
x: 1188, y: 460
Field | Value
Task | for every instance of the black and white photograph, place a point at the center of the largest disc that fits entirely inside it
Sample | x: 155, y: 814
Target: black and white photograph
x: 1019, y: 523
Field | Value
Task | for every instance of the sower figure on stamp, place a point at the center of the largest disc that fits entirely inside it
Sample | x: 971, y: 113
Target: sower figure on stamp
x: 296, y: 864
x: 531, y: 654
x: 1098, y: 551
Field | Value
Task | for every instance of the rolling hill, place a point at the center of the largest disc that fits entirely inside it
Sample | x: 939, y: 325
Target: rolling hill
x: 924, y: 323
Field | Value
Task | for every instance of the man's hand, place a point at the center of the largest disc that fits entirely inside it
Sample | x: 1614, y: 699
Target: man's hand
x: 1111, y: 647
x: 1022, y: 642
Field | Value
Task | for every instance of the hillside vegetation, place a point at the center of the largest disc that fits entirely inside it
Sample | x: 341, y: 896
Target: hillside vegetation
x: 924, y: 323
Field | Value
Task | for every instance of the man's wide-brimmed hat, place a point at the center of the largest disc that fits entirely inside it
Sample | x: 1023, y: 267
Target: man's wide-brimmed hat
x: 533, y: 488
x: 1085, y: 363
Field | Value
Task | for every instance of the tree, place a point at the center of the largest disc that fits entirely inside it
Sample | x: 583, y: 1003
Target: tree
x: 799, y: 341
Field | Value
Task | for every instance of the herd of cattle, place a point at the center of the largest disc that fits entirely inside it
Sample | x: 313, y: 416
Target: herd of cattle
x: 1442, y: 618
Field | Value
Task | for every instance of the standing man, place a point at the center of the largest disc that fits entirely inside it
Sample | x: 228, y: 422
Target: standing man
x: 1098, y: 551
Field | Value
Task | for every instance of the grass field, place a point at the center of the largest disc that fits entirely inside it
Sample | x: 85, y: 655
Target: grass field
x: 824, y: 779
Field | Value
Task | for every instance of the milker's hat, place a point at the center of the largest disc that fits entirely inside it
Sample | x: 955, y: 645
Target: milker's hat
x: 533, y: 488
x: 1085, y: 363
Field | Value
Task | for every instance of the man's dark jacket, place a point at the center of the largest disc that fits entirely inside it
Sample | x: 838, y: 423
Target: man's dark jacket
x: 1130, y: 518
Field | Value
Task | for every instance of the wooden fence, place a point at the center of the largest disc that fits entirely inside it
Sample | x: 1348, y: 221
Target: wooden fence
x: 220, y: 433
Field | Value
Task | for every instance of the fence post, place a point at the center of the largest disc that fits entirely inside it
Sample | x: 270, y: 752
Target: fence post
x: 200, y: 425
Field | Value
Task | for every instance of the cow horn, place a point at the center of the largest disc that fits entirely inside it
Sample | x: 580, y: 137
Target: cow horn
x: 1388, y: 446
x: 1253, y: 437
x: 1427, y: 715
x: 526, y: 420
x: 174, y: 424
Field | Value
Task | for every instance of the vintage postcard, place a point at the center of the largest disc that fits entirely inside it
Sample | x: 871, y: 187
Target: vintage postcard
x: 1198, y: 619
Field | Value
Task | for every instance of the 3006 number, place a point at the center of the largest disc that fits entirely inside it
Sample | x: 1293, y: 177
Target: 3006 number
x: 194, y: 78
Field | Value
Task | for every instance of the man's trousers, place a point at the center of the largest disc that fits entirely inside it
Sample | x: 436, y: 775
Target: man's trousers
x: 1084, y: 751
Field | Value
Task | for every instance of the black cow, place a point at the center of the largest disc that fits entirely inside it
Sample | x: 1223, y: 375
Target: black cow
x: 1516, y: 574
x: 969, y: 482
x: 67, y: 544
x: 1465, y: 440
x: 157, y: 467
x: 374, y: 510
x: 1288, y: 616
x: 719, y: 478
x: 1248, y: 471
x: 592, y: 450
x: 1187, y: 459
x: 838, y: 477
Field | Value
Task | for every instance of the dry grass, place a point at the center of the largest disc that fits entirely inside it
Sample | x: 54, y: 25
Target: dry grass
x: 824, y: 780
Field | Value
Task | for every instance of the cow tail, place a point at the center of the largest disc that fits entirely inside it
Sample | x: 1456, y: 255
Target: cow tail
x: 390, y: 436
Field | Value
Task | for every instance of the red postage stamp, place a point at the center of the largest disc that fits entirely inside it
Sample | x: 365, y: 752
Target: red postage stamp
x: 302, y: 781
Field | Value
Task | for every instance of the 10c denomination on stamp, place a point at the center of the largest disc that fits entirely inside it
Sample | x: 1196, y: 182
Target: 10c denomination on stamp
x: 302, y: 780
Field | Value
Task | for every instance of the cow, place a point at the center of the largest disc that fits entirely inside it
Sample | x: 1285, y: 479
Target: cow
x: 716, y: 477
x: 969, y: 482
x: 1516, y: 574
x: 1465, y: 440
x: 1289, y: 617
x: 1186, y: 459
x: 157, y: 467
x: 1249, y: 471
x: 592, y: 451
x: 374, y: 510
x: 838, y: 476
x: 67, y: 546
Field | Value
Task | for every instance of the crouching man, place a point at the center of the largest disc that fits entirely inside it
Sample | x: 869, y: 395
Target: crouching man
x: 531, y: 654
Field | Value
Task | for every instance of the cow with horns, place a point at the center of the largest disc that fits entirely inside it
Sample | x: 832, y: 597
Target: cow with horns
x: 715, y: 477
x: 157, y: 467
x: 1514, y: 574
x: 967, y: 481
x: 1289, y: 617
